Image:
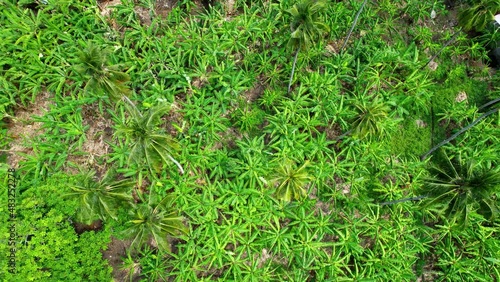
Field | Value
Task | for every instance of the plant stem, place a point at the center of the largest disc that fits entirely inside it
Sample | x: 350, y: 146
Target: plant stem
x: 458, y: 133
x: 132, y: 105
x: 403, y: 200
x: 176, y: 163
x: 344, y: 135
x: 293, y: 68
x: 353, y: 25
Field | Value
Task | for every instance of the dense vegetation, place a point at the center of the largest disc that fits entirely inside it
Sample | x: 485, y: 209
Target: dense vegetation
x: 250, y: 141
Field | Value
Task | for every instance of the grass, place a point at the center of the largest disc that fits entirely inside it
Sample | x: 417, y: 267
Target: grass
x: 276, y: 185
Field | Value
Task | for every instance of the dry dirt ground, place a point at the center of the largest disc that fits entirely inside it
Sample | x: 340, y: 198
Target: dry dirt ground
x: 117, y: 250
x: 22, y: 128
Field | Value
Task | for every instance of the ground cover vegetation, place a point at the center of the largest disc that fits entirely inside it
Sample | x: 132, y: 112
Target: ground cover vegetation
x: 251, y: 140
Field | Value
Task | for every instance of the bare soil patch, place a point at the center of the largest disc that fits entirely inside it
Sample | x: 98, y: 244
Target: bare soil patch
x: 254, y: 93
x: 95, y: 147
x: 23, y: 129
x: 116, y: 250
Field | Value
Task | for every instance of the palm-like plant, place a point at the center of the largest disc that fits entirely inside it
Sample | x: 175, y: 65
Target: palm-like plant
x: 369, y: 117
x: 306, y: 27
x: 100, y: 199
x: 291, y: 181
x: 478, y: 16
x: 103, y: 78
x: 148, y: 142
x: 153, y: 222
x: 458, y: 188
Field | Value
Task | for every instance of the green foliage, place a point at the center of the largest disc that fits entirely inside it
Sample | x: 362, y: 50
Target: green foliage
x: 248, y: 118
x: 291, y: 181
x: 479, y: 15
x: 102, y: 77
x: 149, y: 144
x: 252, y: 215
x: 100, y: 199
x: 151, y: 222
x: 458, y: 189
x: 48, y: 249
x: 131, y: 265
x: 413, y: 138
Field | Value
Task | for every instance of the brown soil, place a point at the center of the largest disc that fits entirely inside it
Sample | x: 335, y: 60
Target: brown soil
x: 161, y: 8
x: 81, y: 227
x: 94, y: 148
x: 174, y: 117
x: 22, y: 128
x: 114, y: 254
x: 254, y: 93
x: 322, y: 207
x: 333, y: 47
x: 106, y: 6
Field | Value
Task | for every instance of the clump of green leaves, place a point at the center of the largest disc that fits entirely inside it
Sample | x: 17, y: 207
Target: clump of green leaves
x: 457, y: 189
x: 148, y: 143
x: 292, y: 181
x: 103, y: 78
x: 370, y: 118
x: 479, y: 15
x: 152, y: 222
x: 100, y: 199
x: 48, y: 248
